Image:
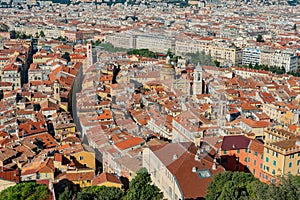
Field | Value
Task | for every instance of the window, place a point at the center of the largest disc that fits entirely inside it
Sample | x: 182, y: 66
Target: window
x: 204, y: 173
x: 292, y: 156
x: 246, y: 150
x: 268, y: 150
x: 80, y: 157
x: 272, y: 180
x: 255, y: 153
x: 274, y: 162
x: 224, y: 152
x: 275, y: 154
x: 254, y: 162
x: 238, y: 151
x: 273, y: 171
x: 298, y: 162
x: 170, y: 191
x: 290, y: 164
x: 254, y: 171
x: 267, y: 159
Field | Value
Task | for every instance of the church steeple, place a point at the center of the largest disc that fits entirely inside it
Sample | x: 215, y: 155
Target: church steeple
x: 89, y: 54
x: 56, y: 90
x: 197, y: 84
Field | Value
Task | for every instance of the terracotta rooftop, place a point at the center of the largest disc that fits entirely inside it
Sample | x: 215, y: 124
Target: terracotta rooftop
x: 106, y: 177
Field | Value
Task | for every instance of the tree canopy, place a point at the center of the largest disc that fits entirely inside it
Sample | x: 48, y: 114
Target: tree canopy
x: 273, y: 69
x: 259, y: 38
x: 141, y: 187
x: 240, y: 185
x: 142, y: 52
x: 26, y: 191
x: 100, y: 193
x: 42, y: 34
x: 201, y: 58
x: 110, y: 48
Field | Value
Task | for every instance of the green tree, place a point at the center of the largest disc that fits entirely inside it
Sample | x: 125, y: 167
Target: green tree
x: 100, y: 193
x: 231, y: 186
x: 201, y: 58
x: 217, y: 63
x: 141, y: 187
x: 42, y: 34
x: 67, y: 195
x: 142, y: 52
x: 259, y: 38
x: 26, y: 191
x: 238, y: 185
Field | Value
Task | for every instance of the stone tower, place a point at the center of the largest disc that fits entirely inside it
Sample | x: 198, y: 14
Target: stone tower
x: 56, y: 90
x: 89, y: 53
x: 197, y: 84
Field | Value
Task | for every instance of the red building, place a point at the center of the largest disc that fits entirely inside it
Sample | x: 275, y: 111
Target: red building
x: 239, y: 153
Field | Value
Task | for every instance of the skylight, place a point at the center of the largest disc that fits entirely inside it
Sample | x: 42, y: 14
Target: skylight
x: 204, y: 173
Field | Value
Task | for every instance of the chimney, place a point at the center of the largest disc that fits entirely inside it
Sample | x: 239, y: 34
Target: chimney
x: 194, y: 169
x: 175, y: 157
x: 214, y: 166
x: 197, y: 158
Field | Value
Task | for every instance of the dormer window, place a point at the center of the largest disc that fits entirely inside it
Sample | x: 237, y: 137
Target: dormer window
x: 205, y: 173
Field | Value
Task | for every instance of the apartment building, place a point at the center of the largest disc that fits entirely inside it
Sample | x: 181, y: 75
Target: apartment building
x: 122, y: 40
x: 180, y: 170
x: 151, y: 41
x: 225, y: 53
x: 11, y: 74
x: 251, y: 55
x: 155, y: 42
x: 281, y: 154
x: 271, y: 57
x: 287, y: 59
x: 239, y: 153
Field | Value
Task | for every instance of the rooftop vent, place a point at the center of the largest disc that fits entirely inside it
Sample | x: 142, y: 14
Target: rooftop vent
x: 214, y: 166
x: 194, y: 169
x: 175, y: 157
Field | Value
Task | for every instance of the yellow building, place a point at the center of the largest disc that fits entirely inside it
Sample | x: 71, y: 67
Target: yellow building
x: 108, y: 180
x: 281, y: 154
x: 39, y: 170
x: 153, y: 85
x: 288, y: 118
x: 69, y: 127
x: 81, y: 177
x: 85, y: 156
